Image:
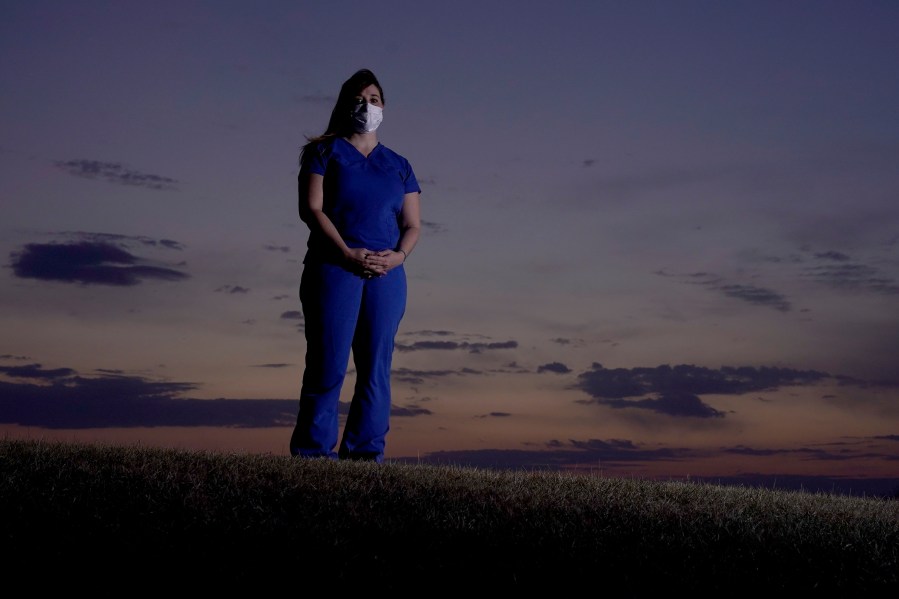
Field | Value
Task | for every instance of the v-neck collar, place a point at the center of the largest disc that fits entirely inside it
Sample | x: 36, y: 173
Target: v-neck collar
x: 358, y: 151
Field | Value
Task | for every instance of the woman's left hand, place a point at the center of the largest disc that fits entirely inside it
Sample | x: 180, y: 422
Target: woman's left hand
x: 380, y: 263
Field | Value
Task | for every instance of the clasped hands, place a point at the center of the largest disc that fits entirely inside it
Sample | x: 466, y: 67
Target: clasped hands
x: 374, y: 264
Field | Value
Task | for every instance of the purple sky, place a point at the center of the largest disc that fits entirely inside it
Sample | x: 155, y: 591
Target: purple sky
x: 661, y: 239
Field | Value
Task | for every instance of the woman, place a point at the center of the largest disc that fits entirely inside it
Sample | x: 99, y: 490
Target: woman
x: 360, y: 201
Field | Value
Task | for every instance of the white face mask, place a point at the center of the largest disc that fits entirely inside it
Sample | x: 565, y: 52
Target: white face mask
x: 367, y: 117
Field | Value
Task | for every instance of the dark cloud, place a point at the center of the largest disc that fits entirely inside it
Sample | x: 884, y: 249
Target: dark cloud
x: 430, y: 333
x: 421, y: 345
x: 557, y: 367
x: 433, y: 227
x: 35, y: 371
x: 62, y: 399
x: 412, y: 376
x: 473, y: 347
x: 767, y: 452
x: 755, y: 295
x: 115, y: 172
x: 830, y: 485
x: 618, y: 457
x: 297, y: 316
x: 571, y: 342
x: 676, y: 389
x: 512, y: 367
x: 408, y: 411
x: 844, y: 452
x: 87, y: 263
x: 170, y: 244
x: 852, y: 277
x: 747, y: 293
x: 671, y: 404
x: 558, y: 455
x: 837, y: 256
x: 231, y: 289
x: 832, y: 268
x: 121, y: 240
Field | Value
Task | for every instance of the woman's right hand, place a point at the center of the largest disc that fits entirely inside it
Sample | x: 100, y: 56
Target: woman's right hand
x: 358, y: 257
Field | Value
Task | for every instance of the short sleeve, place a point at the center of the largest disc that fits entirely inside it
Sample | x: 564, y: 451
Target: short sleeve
x: 409, y: 181
x: 315, y: 159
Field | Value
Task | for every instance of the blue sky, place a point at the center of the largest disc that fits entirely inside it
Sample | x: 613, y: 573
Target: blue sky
x: 660, y: 238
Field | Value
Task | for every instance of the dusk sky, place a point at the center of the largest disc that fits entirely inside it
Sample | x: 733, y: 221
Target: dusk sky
x: 660, y: 239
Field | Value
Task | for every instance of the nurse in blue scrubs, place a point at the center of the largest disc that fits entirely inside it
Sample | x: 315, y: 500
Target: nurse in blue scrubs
x: 360, y: 200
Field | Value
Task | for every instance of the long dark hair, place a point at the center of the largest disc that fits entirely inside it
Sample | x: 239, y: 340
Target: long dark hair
x: 340, y: 123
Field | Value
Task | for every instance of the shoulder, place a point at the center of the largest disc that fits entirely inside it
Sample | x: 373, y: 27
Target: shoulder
x: 317, y: 152
x: 321, y: 147
x: 389, y: 155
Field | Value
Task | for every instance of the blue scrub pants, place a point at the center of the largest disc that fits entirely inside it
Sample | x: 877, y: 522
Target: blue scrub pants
x: 345, y: 311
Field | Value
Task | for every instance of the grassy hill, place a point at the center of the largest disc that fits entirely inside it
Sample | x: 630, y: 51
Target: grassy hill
x: 97, y: 516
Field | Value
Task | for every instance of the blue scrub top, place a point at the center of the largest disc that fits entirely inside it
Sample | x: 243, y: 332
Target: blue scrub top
x: 363, y: 196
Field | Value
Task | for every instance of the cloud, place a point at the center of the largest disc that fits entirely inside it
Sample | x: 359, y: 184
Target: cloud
x: 277, y: 248
x: 123, y: 240
x: 433, y: 227
x: 115, y: 172
x: 558, y: 455
x: 60, y: 398
x: 408, y: 411
x: 671, y: 404
x: 755, y: 295
x: 231, y: 289
x: 35, y: 371
x: 831, y: 255
x: 845, y: 453
x: 412, y: 376
x: 676, y: 389
x: 512, y: 367
x: 495, y: 415
x: 831, y: 268
x: 568, y: 341
x: 429, y: 333
x: 617, y: 457
x: 852, y: 277
x: 473, y: 347
x: 743, y: 450
x: 747, y: 293
x: 295, y: 315
x: 557, y: 367
x: 87, y: 263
